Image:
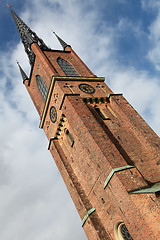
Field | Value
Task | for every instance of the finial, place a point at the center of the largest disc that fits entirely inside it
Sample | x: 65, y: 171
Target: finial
x: 17, y: 63
x: 8, y: 6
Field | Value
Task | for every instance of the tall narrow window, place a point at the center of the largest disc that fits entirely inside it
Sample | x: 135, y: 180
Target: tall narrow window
x: 111, y: 111
x: 69, y: 137
x: 67, y: 68
x: 42, y: 87
x: 101, y: 113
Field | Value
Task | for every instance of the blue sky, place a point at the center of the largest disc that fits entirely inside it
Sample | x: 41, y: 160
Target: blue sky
x: 117, y: 39
x: 127, y: 42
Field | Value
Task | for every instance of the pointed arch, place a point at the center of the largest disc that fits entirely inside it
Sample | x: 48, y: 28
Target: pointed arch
x: 42, y: 87
x: 67, y: 68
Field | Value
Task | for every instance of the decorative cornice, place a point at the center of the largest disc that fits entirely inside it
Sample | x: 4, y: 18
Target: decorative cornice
x: 115, y: 94
x: 87, y: 79
x: 96, y: 100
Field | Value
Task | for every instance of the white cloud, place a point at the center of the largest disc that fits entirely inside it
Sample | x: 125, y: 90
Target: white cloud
x: 154, y: 29
x: 154, y: 53
x: 150, y: 4
x: 34, y: 202
x: 141, y: 91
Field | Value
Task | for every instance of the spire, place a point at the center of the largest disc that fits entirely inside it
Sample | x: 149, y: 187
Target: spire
x: 63, y: 43
x: 23, y: 74
x: 27, y: 36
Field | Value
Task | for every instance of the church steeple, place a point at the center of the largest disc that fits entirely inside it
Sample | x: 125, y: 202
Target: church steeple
x: 106, y: 153
x: 63, y: 43
x: 27, y: 36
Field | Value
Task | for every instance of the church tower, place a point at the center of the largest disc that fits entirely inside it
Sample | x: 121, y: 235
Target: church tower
x: 106, y: 153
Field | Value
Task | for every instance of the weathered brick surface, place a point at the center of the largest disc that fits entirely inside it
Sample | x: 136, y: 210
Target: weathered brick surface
x: 138, y: 139
x: 123, y: 138
x: 104, y: 153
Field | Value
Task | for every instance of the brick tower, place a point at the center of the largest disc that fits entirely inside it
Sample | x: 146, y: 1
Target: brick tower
x: 106, y: 153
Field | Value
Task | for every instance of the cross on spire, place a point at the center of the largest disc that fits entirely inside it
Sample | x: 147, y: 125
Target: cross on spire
x: 27, y: 36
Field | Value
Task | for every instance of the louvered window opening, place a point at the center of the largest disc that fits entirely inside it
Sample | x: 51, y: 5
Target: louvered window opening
x: 42, y: 87
x: 67, y: 68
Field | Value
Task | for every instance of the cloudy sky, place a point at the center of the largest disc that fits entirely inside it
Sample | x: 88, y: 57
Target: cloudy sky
x: 118, y: 39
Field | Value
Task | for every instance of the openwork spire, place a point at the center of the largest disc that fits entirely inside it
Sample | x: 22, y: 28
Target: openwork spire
x: 63, y: 43
x: 23, y: 74
x: 27, y: 36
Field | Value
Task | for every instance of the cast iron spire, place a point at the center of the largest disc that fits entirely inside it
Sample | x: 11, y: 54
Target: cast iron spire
x: 63, y: 43
x: 23, y: 74
x: 27, y: 36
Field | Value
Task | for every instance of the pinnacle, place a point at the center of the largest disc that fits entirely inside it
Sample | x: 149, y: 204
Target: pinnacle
x: 23, y: 74
x: 63, y: 43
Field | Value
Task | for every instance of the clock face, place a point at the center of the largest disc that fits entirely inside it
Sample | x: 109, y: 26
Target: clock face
x: 86, y: 88
x: 53, y: 114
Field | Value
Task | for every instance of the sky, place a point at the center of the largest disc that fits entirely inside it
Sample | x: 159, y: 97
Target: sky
x: 118, y: 40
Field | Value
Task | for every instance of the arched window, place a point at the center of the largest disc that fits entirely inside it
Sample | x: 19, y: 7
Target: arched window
x: 67, y: 68
x: 121, y: 231
x: 42, y: 87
